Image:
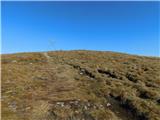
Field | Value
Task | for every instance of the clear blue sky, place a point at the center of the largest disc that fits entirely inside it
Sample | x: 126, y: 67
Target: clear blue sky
x: 130, y: 27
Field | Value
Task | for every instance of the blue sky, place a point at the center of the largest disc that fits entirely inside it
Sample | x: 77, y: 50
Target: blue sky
x: 130, y: 27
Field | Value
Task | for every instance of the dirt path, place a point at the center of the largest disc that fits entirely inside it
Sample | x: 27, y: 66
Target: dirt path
x: 46, y: 55
x: 49, y: 58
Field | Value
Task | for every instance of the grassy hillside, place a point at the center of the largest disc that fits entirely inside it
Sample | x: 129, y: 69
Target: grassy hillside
x: 80, y: 85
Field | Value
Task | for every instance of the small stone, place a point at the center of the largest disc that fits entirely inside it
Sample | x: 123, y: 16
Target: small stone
x: 88, y: 104
x: 28, y: 108
x: 76, y: 102
x: 85, y: 107
x: 101, y: 106
x: 81, y: 73
x: 13, y: 105
x: 83, y: 70
x: 60, y: 103
x: 71, y: 102
x: 108, y: 104
x: 76, y: 111
x: 14, y: 61
x: 94, y: 107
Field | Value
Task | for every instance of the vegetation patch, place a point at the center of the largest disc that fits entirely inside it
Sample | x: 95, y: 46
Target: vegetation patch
x: 80, y: 85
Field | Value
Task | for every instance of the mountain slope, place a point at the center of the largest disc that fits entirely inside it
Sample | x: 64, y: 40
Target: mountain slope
x: 80, y: 85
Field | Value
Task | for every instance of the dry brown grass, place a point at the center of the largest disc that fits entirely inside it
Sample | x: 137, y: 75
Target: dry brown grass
x: 78, y: 85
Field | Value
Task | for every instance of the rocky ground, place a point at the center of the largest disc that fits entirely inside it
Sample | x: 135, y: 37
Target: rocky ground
x: 80, y: 85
